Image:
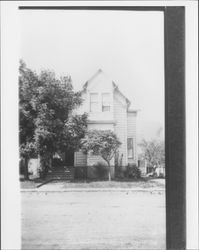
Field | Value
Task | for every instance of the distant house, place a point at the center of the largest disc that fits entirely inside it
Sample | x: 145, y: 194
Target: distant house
x: 108, y: 109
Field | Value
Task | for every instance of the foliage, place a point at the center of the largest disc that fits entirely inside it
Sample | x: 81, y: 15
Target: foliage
x: 128, y: 172
x: 153, y: 152
x: 133, y: 172
x: 45, y: 106
x: 101, y: 170
x: 101, y: 142
x: 80, y: 173
x: 118, y: 159
x: 120, y: 171
x: 57, y: 162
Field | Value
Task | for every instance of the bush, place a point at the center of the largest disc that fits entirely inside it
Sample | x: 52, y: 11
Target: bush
x: 57, y: 162
x: 101, y: 170
x: 161, y: 175
x: 133, y: 172
x: 80, y: 173
x: 120, y: 172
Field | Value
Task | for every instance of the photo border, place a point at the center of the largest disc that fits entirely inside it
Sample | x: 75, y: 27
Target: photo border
x: 175, y: 144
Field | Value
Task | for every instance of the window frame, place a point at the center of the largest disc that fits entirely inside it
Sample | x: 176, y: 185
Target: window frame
x: 96, y: 102
x: 103, y: 103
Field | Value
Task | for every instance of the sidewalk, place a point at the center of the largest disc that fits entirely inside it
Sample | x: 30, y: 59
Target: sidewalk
x: 59, y: 188
x: 97, y: 186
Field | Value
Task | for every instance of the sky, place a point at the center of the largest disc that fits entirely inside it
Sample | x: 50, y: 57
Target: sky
x: 127, y: 45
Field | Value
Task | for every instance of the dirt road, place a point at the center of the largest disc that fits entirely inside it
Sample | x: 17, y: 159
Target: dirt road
x: 93, y: 220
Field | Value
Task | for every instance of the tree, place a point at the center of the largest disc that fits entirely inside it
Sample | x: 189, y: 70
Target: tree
x: 153, y: 152
x: 101, y: 142
x: 28, y: 83
x: 47, y: 124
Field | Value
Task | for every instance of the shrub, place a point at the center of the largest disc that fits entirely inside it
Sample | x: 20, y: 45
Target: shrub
x: 161, y: 175
x: 56, y: 162
x: 101, y: 170
x: 120, y: 172
x: 80, y: 173
x: 133, y: 172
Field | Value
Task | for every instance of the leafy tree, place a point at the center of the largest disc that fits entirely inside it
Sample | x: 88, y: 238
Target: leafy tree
x: 47, y: 124
x: 101, y: 142
x: 28, y: 83
x: 153, y: 152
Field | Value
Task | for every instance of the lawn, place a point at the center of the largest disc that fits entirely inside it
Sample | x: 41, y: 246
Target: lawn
x: 116, y: 184
x: 138, y: 184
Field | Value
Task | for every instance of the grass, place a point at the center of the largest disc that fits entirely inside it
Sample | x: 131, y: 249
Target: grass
x: 140, y: 183
x: 28, y: 184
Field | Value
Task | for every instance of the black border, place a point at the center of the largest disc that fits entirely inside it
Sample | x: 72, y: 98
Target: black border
x: 175, y: 151
x: 175, y: 148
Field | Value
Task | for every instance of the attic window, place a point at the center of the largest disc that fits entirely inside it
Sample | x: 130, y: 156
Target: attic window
x: 93, y: 102
x: 106, y: 102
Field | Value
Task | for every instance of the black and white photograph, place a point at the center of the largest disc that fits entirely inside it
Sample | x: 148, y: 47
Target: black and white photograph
x: 100, y: 126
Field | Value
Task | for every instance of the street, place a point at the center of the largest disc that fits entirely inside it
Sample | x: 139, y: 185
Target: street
x: 93, y: 220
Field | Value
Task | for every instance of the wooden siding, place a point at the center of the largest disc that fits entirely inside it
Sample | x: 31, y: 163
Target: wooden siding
x: 100, y: 126
x: 80, y: 159
x: 94, y: 159
x: 120, y: 116
x: 131, y: 133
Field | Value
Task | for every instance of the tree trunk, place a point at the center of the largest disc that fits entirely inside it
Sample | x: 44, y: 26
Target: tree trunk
x: 26, y: 174
x: 109, y: 172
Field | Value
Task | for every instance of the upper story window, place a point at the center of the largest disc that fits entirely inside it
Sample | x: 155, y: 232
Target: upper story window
x: 130, y: 148
x: 93, y: 102
x: 106, y: 104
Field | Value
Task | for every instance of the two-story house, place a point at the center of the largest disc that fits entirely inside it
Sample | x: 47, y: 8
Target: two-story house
x: 108, y: 109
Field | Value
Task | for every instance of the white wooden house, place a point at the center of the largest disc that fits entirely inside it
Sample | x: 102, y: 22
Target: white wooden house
x: 108, y: 109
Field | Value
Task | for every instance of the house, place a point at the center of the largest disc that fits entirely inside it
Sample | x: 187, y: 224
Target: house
x: 108, y: 109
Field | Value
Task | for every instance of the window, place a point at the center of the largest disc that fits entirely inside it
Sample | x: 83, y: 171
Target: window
x: 106, y: 102
x: 93, y: 102
x: 130, y: 147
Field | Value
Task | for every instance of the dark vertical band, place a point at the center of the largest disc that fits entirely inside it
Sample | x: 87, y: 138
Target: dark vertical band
x: 175, y: 126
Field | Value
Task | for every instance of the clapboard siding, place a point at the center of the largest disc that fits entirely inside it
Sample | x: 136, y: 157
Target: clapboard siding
x: 94, y: 159
x: 120, y: 116
x: 80, y: 159
x: 131, y: 124
x: 100, y: 126
x: 131, y: 133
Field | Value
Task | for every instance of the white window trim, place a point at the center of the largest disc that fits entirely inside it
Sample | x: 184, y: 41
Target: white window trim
x: 107, y: 102
x: 97, y: 102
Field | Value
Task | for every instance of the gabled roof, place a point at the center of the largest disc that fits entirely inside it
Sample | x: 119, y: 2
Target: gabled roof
x: 116, y: 88
x: 89, y: 80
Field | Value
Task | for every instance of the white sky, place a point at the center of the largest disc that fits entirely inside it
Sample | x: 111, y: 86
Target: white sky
x: 128, y: 46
